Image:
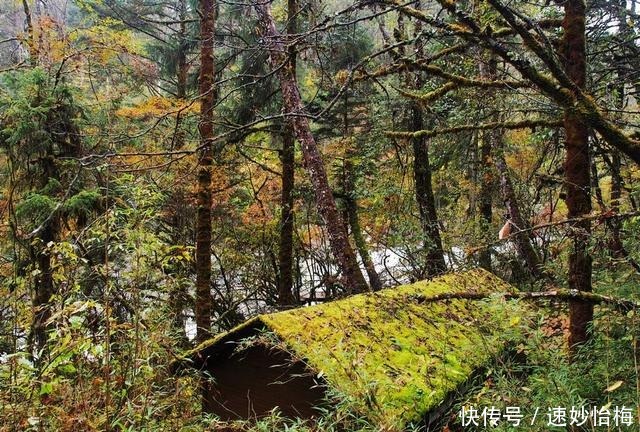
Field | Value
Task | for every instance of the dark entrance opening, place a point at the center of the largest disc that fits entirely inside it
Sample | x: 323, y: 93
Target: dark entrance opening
x: 252, y: 382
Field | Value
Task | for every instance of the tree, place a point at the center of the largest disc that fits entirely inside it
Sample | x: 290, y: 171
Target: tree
x: 488, y: 141
x: 40, y: 135
x: 343, y: 252
x: 432, y: 251
x: 565, y: 87
x: 351, y: 200
x: 285, y: 251
x: 577, y: 172
x: 204, y: 301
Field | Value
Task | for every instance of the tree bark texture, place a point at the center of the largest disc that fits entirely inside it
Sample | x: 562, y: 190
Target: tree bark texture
x: 577, y: 174
x: 353, y: 278
x: 285, y: 251
x: 204, y: 300
x: 434, y: 254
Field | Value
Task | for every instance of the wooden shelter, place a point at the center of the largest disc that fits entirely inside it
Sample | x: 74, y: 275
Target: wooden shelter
x: 394, y: 356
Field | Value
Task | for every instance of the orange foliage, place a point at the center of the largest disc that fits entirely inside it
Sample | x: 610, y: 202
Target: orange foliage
x: 156, y: 107
x: 523, y: 159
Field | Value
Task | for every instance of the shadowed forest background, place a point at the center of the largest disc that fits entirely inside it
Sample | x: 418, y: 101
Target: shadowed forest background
x: 170, y: 169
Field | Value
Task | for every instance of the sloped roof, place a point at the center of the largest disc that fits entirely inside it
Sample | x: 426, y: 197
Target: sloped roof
x: 397, y: 354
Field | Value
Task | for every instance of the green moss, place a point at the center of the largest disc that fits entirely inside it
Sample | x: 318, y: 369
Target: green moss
x: 36, y: 208
x: 393, y: 358
x: 82, y: 203
x: 189, y: 355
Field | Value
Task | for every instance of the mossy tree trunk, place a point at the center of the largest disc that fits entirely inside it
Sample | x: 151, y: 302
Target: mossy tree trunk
x: 353, y: 278
x: 361, y: 243
x: 204, y: 300
x: 64, y: 143
x: 433, y: 252
x: 285, y: 252
x: 488, y: 71
x: 577, y: 174
x: 353, y: 218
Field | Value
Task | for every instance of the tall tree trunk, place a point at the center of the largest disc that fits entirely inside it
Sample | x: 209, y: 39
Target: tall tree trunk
x: 351, y: 200
x: 361, y: 245
x: 354, y: 281
x: 43, y: 282
x: 285, y: 253
x: 488, y: 71
x: 351, y: 210
x: 615, y: 242
x: 486, y: 189
x: 204, y: 301
x: 68, y: 145
x: 577, y: 174
x: 433, y: 252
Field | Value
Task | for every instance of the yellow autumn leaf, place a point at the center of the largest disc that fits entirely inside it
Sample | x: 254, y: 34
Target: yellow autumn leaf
x: 613, y: 387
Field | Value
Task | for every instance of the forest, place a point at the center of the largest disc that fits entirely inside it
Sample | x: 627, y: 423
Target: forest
x: 173, y: 170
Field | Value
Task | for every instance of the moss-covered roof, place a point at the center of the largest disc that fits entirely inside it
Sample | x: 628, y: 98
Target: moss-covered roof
x: 395, y: 355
